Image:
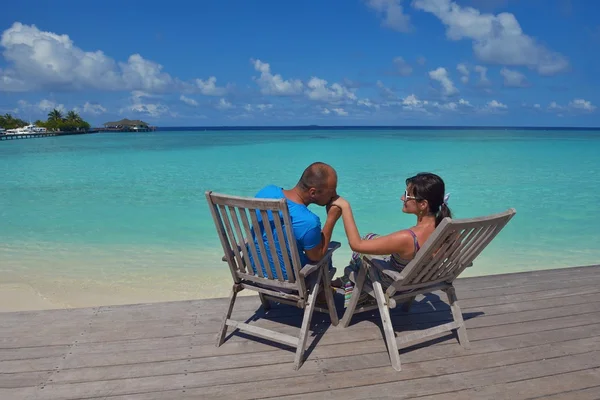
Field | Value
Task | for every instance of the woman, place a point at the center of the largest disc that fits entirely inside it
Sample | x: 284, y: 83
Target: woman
x: 424, y: 197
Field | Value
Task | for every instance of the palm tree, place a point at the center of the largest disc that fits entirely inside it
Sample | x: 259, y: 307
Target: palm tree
x: 7, y: 121
x: 72, y: 116
x: 55, y: 115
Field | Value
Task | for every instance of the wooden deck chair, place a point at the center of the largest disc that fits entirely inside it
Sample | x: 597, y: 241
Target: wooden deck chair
x: 236, y: 221
x: 449, y: 250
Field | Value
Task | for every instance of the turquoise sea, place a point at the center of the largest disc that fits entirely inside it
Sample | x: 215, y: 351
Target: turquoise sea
x: 122, y: 217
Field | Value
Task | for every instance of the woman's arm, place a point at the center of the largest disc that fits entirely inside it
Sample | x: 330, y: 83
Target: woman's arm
x: 392, y: 243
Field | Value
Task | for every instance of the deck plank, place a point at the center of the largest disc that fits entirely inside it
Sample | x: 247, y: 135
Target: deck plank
x: 533, y: 335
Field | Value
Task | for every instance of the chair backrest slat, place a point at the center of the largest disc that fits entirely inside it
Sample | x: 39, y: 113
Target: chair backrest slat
x: 271, y: 241
x: 287, y: 261
x: 258, y: 249
x: 241, y: 239
x: 450, y: 249
x: 261, y: 246
x: 218, y: 221
x: 456, y: 245
x: 249, y: 241
x: 294, y: 253
x: 233, y: 241
x: 468, y: 256
x: 464, y: 239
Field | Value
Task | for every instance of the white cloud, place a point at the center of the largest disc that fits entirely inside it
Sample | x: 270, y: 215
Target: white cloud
x: 497, y: 39
x: 483, y: 79
x: 554, y: 106
x: 575, y: 106
x: 340, y: 111
x: 94, y: 109
x: 43, y: 106
x: 224, y: 105
x: 139, y: 73
x: 275, y: 84
x: 50, y: 61
x: 441, y: 75
x: 367, y: 103
x: 461, y: 105
x: 495, y: 105
x: 385, y: 91
x: 451, y: 106
x: 138, y: 105
x: 581, y: 104
x: 421, y: 60
x: 209, y: 87
x: 258, y: 107
x: 337, y: 110
x: 412, y: 103
x: 188, y: 101
x: 318, y: 90
x: 45, y: 59
x: 392, y: 13
x: 464, y: 71
x: 151, y: 109
x: 48, y: 105
x: 513, y: 78
x: 402, y: 67
x: 263, y: 107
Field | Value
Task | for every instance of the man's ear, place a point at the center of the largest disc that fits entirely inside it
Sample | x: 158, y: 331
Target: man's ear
x: 312, y: 192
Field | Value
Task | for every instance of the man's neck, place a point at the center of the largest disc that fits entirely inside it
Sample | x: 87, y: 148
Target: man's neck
x: 296, y: 195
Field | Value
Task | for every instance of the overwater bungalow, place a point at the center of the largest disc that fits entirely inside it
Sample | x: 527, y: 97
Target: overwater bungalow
x: 128, y: 125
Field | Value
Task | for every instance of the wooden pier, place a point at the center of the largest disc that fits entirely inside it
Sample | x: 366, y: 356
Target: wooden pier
x: 41, y: 135
x: 27, y: 135
x: 533, y: 335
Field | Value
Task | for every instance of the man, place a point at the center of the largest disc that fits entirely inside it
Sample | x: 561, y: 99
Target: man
x: 317, y: 185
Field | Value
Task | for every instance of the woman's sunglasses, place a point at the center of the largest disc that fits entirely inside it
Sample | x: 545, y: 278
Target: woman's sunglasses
x: 407, y: 197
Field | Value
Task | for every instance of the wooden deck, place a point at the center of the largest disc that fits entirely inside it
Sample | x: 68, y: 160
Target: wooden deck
x: 533, y: 335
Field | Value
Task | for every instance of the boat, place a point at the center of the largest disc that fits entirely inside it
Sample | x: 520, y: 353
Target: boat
x: 26, y: 130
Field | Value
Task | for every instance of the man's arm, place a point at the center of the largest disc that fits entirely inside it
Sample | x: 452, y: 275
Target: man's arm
x: 316, y: 253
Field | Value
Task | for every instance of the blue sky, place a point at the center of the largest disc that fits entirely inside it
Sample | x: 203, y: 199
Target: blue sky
x: 335, y: 62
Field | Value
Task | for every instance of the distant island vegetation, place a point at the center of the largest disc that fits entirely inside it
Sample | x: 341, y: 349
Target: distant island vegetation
x: 56, y: 121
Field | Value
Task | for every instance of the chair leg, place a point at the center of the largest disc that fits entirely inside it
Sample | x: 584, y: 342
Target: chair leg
x: 308, y: 312
x: 360, y: 281
x: 223, y: 330
x: 265, y: 303
x: 457, y: 315
x: 386, y: 321
x: 329, y: 298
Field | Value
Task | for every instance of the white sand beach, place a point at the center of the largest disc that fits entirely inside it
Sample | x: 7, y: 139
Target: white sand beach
x: 74, y: 293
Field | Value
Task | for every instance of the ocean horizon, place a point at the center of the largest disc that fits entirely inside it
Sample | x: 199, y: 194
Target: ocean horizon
x: 121, y: 217
x: 201, y: 128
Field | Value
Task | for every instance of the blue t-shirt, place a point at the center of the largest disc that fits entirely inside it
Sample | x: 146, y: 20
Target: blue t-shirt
x: 306, y: 226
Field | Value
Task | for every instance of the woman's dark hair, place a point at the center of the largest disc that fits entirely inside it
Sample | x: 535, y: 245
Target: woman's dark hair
x: 430, y: 187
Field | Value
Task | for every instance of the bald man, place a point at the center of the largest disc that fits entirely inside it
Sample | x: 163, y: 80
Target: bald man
x: 317, y: 185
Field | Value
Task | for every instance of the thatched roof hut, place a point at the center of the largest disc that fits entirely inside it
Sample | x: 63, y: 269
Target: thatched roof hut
x: 126, y: 123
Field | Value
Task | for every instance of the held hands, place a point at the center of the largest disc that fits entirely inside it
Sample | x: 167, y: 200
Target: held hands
x: 340, y: 203
x: 333, y: 210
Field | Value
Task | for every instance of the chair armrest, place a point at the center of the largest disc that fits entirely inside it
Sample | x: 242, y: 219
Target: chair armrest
x: 239, y: 249
x: 310, y: 268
